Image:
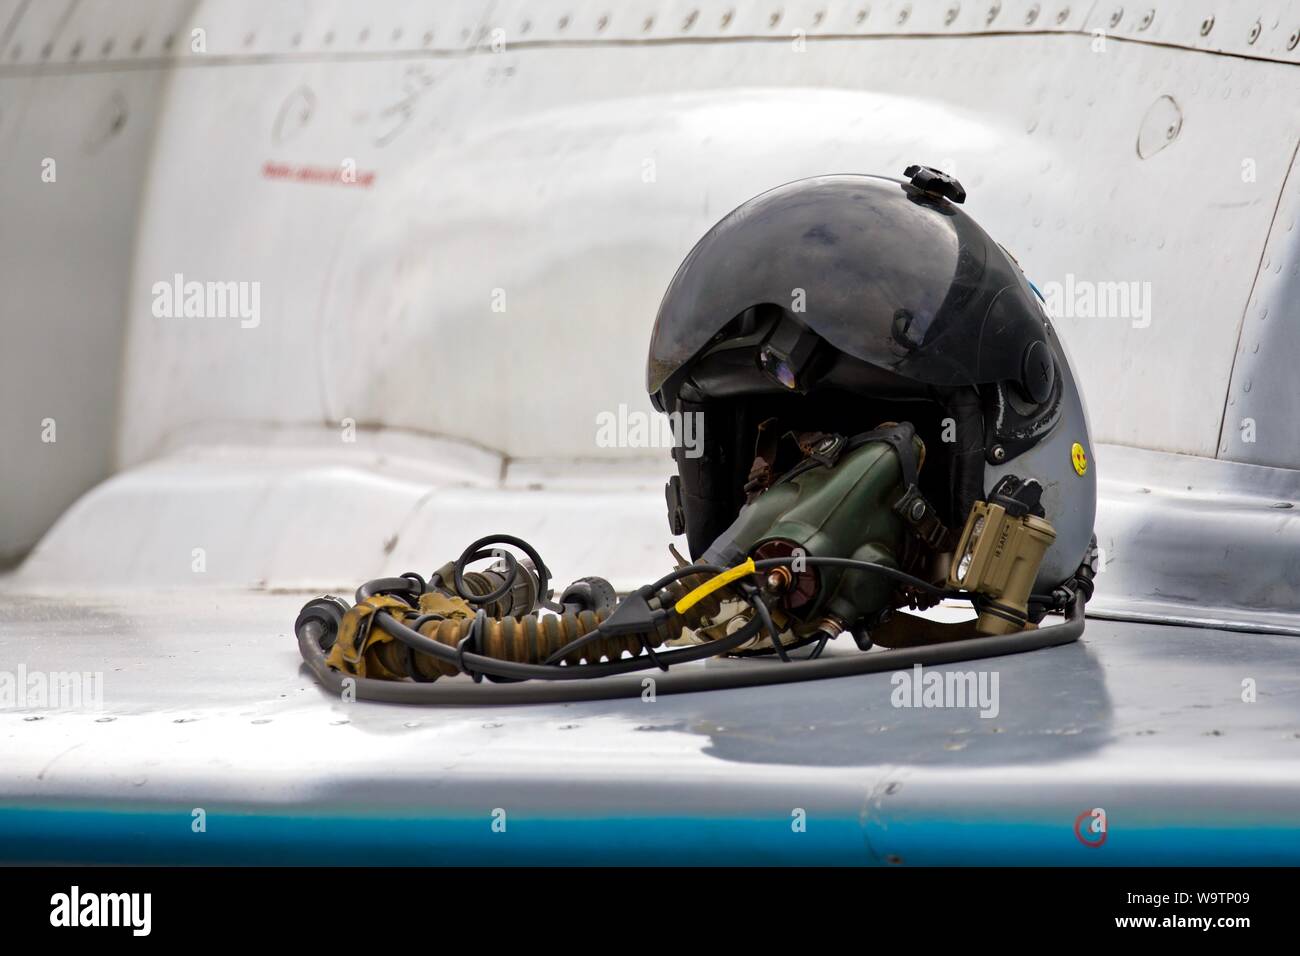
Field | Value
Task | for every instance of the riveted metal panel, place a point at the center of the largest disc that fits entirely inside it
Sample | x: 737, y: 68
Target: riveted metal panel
x: 1098, y: 161
x: 1261, y: 421
x: 507, y: 144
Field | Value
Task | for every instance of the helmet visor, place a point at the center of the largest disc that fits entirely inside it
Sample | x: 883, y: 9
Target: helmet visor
x: 876, y: 268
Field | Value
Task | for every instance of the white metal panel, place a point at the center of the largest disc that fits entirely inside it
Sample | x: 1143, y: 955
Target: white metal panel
x: 66, y: 245
x: 95, y: 35
x: 1261, y: 421
x: 517, y: 161
x: 534, y: 156
x: 305, y: 511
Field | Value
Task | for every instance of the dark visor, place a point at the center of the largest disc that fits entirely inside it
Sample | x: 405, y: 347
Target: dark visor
x: 880, y: 270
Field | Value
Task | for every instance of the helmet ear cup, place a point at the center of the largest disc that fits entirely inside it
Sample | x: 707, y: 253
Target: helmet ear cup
x: 1037, y: 373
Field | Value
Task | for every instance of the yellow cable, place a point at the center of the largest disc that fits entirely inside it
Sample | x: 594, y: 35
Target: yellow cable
x: 711, y: 585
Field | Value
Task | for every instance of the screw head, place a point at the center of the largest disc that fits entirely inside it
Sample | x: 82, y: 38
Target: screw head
x: 1255, y: 31
x: 1207, y: 25
x: 999, y: 453
x: 1294, y: 41
x: 918, y: 510
x: 1117, y: 16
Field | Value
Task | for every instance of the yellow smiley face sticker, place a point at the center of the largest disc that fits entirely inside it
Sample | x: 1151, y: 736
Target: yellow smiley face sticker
x: 1079, y: 458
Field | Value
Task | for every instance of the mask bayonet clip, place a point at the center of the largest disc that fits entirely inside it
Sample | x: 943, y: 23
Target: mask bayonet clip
x: 919, y: 516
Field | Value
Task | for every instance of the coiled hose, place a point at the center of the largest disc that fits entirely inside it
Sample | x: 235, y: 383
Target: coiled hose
x: 747, y: 674
x: 534, y: 660
x: 534, y: 639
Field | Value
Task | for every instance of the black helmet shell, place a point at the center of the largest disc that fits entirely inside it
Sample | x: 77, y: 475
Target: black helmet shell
x: 879, y: 269
x: 896, y: 278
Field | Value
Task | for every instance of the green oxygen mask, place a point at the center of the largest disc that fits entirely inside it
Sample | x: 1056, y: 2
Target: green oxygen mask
x: 850, y: 499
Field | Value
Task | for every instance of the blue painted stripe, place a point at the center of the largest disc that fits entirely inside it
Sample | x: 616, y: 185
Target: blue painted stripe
x: 125, y: 835
x: 166, y: 837
x: 1048, y: 843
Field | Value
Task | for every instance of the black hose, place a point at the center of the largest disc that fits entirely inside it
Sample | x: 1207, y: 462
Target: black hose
x: 884, y: 570
x: 722, y: 677
x: 464, y: 656
x: 478, y: 550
